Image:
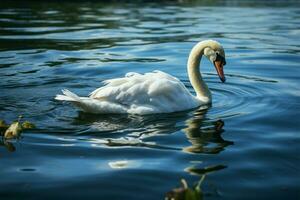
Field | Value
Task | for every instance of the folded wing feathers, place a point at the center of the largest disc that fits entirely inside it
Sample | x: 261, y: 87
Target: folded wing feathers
x: 146, y: 91
x: 135, y: 85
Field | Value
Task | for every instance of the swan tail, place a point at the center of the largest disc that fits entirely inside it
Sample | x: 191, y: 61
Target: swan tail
x: 90, y: 105
x: 68, y: 96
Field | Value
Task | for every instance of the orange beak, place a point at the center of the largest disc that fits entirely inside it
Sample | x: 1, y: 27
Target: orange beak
x: 219, y: 67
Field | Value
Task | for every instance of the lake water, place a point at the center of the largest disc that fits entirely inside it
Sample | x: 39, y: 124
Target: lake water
x: 246, y: 144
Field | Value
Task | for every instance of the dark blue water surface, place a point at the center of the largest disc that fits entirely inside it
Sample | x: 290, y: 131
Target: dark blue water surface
x: 46, y: 47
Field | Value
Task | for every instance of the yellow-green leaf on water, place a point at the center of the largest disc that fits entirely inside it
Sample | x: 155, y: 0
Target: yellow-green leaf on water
x: 191, y: 194
x: 178, y: 193
x: 185, y: 192
x: 28, y: 125
x: 13, y: 131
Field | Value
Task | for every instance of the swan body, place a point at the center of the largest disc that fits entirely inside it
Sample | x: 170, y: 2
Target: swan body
x: 153, y: 92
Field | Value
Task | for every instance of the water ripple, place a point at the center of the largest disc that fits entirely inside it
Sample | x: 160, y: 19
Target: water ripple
x: 246, y: 142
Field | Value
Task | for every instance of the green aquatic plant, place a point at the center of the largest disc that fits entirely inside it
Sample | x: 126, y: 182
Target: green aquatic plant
x: 28, y: 125
x: 185, y: 192
x: 15, y: 129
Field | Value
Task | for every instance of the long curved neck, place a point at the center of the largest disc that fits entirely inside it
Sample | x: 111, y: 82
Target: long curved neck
x: 193, y: 68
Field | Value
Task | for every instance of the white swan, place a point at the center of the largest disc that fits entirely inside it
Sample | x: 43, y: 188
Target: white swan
x: 154, y: 92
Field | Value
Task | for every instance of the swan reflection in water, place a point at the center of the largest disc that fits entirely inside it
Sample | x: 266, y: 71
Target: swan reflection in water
x: 205, y: 135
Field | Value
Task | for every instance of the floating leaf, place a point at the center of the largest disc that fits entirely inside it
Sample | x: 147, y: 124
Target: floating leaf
x: 192, y: 194
x: 177, y: 193
x: 28, y: 125
x: 13, y: 131
x: 186, y: 193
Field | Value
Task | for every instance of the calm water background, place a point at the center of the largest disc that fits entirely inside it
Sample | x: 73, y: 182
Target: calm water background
x: 45, y: 47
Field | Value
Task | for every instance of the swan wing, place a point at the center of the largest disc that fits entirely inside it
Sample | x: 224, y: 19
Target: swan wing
x: 152, y: 92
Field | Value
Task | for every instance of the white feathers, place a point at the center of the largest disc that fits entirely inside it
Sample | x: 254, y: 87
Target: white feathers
x: 154, y: 92
x: 68, y: 96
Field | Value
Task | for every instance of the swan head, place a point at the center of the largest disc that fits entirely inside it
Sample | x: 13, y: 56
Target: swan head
x: 216, y: 54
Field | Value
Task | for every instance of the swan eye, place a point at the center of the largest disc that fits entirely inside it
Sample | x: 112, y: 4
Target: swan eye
x: 220, y: 58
